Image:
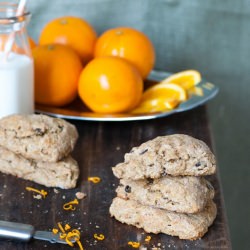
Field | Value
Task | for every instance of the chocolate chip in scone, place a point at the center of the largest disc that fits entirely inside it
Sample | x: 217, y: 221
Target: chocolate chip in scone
x: 209, y: 186
x: 150, y: 181
x: 197, y: 164
x: 38, y: 132
x: 60, y: 128
x: 164, y: 173
x: 143, y: 152
x: 128, y: 189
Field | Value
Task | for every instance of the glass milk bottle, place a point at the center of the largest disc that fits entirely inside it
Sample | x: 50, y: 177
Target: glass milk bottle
x: 16, y: 63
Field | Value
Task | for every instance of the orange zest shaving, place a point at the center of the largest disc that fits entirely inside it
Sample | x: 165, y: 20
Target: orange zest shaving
x: 67, y: 227
x: 99, y: 237
x: 54, y: 230
x: 72, y: 236
x: 94, y: 179
x: 69, y: 236
x: 61, y: 227
x: 134, y: 244
x: 79, y: 244
x: 69, y: 205
x: 41, y: 192
x: 148, y: 238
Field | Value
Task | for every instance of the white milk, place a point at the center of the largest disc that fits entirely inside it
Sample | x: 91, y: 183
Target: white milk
x: 16, y: 85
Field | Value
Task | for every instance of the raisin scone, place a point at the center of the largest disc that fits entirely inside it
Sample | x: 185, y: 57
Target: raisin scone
x: 38, y: 137
x: 185, y: 194
x: 175, y: 155
x: 155, y: 220
x: 63, y: 174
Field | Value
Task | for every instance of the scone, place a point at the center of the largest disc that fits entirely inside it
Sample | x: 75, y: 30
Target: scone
x: 38, y: 137
x: 173, y: 154
x: 154, y: 220
x: 186, y: 194
x: 63, y: 174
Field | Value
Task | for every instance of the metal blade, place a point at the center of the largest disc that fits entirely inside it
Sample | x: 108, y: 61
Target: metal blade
x: 49, y: 236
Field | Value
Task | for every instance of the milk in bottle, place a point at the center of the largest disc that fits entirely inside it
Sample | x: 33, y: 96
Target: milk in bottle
x: 16, y: 64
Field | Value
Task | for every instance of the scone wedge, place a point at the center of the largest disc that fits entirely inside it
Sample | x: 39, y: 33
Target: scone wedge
x: 38, y: 137
x: 174, y: 155
x: 183, y: 194
x: 154, y: 220
x: 63, y: 174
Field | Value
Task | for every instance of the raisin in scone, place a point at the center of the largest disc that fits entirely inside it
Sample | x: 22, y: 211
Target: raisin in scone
x: 38, y: 137
x: 63, y: 174
x: 186, y: 194
x: 155, y: 220
x: 173, y: 154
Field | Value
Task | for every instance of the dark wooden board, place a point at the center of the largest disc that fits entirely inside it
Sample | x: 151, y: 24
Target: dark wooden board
x: 101, y: 145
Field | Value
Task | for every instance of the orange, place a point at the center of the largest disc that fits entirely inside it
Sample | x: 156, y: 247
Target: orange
x: 187, y: 79
x: 110, y: 85
x: 155, y: 105
x: 129, y: 44
x: 167, y: 91
x: 161, y: 97
x: 72, y: 31
x: 32, y: 43
x: 57, y: 70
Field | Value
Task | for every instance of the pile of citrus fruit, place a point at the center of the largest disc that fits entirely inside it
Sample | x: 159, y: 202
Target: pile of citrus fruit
x: 106, y: 72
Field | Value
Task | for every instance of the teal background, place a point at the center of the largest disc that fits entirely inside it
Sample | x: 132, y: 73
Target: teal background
x: 211, y: 36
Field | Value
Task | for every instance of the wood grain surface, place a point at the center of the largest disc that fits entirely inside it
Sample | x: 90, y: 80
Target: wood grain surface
x: 101, y: 145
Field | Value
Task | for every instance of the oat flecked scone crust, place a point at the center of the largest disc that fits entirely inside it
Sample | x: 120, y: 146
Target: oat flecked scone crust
x: 153, y: 220
x: 63, y: 174
x: 38, y: 137
x: 173, y: 154
x: 185, y: 194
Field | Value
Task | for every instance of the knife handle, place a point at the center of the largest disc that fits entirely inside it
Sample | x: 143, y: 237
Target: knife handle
x: 16, y: 231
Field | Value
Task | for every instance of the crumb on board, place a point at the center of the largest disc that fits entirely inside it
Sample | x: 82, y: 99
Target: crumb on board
x: 38, y: 196
x: 80, y: 195
x: 56, y: 191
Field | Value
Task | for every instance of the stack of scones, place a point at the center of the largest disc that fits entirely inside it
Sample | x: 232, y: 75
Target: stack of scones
x: 38, y: 148
x: 162, y: 187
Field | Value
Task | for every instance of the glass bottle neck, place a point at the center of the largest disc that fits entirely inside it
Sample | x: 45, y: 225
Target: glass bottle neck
x: 9, y: 22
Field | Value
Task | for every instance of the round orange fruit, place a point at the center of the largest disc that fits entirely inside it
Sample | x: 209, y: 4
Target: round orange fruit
x: 32, y: 43
x: 110, y: 85
x: 129, y: 44
x: 72, y: 31
x: 57, y: 70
